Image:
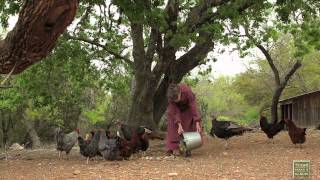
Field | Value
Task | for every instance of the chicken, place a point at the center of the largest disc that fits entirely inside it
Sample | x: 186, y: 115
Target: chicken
x: 126, y: 131
x: 297, y: 135
x: 91, y: 134
x: 108, y: 147
x: 138, y: 137
x: 270, y: 129
x: 124, y: 147
x: 65, y: 142
x: 139, y: 140
x: 89, y: 147
x: 226, y: 129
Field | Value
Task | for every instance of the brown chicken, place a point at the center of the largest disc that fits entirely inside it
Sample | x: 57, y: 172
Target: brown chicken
x: 297, y: 135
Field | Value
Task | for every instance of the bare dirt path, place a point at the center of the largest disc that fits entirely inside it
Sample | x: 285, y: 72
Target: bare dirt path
x: 248, y: 157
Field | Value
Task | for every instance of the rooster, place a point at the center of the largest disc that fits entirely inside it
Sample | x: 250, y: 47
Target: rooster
x: 89, y: 147
x: 137, y: 137
x: 226, y: 129
x: 297, y: 135
x: 125, y: 148
x: 140, y: 140
x: 65, y: 142
x: 270, y: 129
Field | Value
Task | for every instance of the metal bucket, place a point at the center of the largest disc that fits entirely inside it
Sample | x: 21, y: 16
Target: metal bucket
x: 190, y: 141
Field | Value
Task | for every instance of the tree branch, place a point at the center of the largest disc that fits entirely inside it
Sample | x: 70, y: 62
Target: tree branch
x: 39, y: 25
x: 202, y: 14
x: 165, y: 50
x: 104, y: 47
x: 266, y: 53
x: 172, y: 10
x: 195, y: 55
x: 138, y: 52
x: 295, y: 67
x: 84, y: 18
x: 152, y: 45
x: 271, y: 63
x: 8, y: 75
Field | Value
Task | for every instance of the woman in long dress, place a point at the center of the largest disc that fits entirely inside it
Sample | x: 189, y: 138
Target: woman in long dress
x: 182, y: 115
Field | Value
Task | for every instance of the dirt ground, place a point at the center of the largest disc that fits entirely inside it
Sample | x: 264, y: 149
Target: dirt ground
x: 249, y: 157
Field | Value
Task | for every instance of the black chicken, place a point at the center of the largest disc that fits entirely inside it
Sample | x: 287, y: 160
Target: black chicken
x: 226, y: 129
x: 65, y: 142
x: 270, y: 129
x: 109, y: 147
x: 89, y: 147
x: 297, y: 135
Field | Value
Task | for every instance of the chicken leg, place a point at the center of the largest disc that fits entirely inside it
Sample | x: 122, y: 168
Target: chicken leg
x: 142, y: 154
x: 59, y: 154
x: 88, y: 160
x: 226, y: 144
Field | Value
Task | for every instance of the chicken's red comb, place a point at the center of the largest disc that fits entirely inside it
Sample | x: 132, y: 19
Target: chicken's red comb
x: 78, y: 130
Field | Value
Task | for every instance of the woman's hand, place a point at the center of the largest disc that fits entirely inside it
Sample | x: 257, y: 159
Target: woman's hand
x: 180, y: 129
x: 198, y: 127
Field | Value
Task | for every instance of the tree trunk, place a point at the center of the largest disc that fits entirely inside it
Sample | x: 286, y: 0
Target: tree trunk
x: 32, y: 133
x: 34, y: 36
x: 5, y: 134
x: 141, y: 111
x: 280, y: 87
x: 274, y: 105
x: 6, y: 125
x: 160, y: 100
x: 150, y: 101
x: 280, y: 84
x: 149, y: 97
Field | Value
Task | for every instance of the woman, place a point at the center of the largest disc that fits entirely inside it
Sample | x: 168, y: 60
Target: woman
x: 182, y: 116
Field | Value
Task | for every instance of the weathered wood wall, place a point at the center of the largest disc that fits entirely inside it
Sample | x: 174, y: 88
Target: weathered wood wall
x: 303, y: 110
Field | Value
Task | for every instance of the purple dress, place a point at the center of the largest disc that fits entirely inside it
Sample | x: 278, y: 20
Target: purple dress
x: 184, y: 112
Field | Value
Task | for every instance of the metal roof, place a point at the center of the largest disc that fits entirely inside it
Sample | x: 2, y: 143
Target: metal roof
x: 293, y: 97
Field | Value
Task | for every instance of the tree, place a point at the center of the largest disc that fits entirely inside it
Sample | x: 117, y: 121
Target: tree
x: 156, y: 31
x: 39, y: 25
x: 280, y: 82
x: 200, y: 27
x: 298, y: 21
x: 51, y: 93
x: 258, y: 84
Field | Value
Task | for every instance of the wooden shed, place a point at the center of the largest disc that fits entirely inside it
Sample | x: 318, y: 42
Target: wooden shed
x: 303, y: 109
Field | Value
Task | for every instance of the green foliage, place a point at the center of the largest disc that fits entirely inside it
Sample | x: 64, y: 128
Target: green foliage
x: 251, y: 116
x: 7, y: 9
x: 190, y: 81
x: 97, y: 114
x: 221, y: 99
